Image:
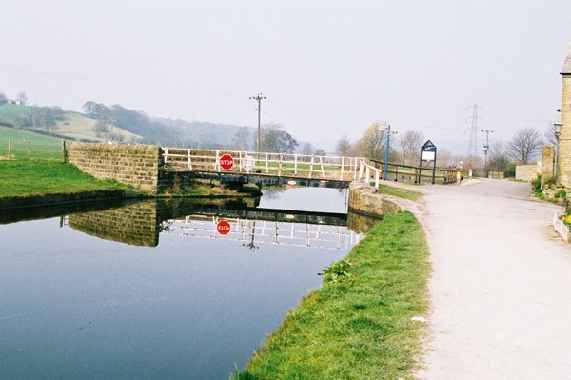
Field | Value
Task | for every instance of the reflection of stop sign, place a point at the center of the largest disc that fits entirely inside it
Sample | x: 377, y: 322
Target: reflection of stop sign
x: 223, y: 227
x: 226, y: 161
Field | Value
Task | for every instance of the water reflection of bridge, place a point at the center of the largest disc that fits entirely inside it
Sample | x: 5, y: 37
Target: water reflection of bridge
x: 254, y: 232
x: 141, y: 223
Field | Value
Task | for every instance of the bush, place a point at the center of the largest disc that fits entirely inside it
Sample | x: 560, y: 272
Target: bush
x: 536, y: 185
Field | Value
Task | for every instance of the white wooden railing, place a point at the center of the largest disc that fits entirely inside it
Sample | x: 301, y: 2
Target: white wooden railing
x: 302, y: 166
x: 294, y: 165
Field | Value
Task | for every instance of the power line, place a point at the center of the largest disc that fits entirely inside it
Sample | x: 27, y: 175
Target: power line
x: 259, y: 97
x: 473, y: 138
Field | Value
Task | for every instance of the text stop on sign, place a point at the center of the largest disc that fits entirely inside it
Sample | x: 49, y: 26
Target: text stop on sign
x: 226, y: 161
x: 223, y: 227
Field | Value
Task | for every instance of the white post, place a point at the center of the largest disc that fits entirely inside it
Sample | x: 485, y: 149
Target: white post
x: 266, y: 162
x: 361, y: 168
x: 311, y: 166
x: 166, y: 155
x: 342, y: 167
x: 217, y: 162
x: 295, y: 164
x: 367, y: 174
x: 280, y: 165
x: 240, y: 154
x: 322, y: 168
x: 189, y: 162
x: 377, y: 179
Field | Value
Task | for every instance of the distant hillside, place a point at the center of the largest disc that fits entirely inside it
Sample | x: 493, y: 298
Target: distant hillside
x: 102, y: 123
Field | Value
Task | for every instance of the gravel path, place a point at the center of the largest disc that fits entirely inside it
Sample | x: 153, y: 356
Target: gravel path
x: 501, y: 285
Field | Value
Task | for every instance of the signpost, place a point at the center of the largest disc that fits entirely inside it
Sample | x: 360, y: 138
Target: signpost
x: 428, y: 153
x: 227, y: 162
x: 223, y: 227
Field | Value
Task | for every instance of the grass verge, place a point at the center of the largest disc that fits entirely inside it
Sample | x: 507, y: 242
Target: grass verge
x: 358, y: 326
x: 401, y: 193
x: 21, y: 178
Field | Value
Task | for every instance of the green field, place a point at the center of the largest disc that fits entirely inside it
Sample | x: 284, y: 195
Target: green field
x: 23, y: 178
x: 21, y: 144
x: 33, y: 165
x: 359, y: 325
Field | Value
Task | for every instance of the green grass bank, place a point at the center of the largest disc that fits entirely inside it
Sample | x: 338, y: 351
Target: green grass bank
x: 358, y: 325
x: 26, y: 178
x: 400, y: 192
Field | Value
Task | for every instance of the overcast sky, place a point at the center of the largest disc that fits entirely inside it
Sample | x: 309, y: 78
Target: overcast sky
x: 328, y: 69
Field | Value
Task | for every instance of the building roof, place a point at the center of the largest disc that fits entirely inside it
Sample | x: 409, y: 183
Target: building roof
x: 567, y: 63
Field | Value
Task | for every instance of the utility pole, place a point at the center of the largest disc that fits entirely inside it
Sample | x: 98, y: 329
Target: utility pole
x: 486, y: 146
x: 387, y: 150
x: 557, y: 126
x: 473, y: 138
x: 258, y: 98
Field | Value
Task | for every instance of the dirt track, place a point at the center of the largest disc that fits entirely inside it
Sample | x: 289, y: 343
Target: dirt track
x: 501, y: 285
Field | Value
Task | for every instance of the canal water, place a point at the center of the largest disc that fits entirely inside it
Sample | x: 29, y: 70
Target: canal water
x: 156, y: 290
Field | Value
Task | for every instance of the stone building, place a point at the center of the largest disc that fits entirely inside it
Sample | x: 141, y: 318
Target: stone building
x: 565, y: 140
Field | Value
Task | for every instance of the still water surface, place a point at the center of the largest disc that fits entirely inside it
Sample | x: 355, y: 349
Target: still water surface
x: 105, y: 294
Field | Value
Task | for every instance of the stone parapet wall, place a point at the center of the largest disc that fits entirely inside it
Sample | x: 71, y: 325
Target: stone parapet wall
x: 366, y: 200
x: 526, y: 173
x: 496, y: 174
x: 547, y: 162
x: 134, y: 165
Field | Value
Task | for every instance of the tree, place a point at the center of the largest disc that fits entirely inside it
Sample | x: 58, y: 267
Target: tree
x: 550, y: 134
x: 411, y: 143
x: 320, y: 152
x: 22, y: 98
x: 498, y: 158
x: 372, y: 143
x: 307, y: 148
x: 524, y: 145
x: 3, y: 99
x: 243, y: 139
x: 275, y: 139
x: 443, y: 158
x: 344, y: 146
x: 101, y: 128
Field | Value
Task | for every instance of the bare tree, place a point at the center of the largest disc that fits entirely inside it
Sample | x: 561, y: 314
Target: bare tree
x: 372, y: 144
x: 307, y: 148
x: 411, y: 143
x: 524, y: 145
x: 550, y: 134
x: 444, y: 158
x: 498, y: 157
x: 3, y: 99
x: 22, y: 98
x: 344, y: 146
x: 244, y: 139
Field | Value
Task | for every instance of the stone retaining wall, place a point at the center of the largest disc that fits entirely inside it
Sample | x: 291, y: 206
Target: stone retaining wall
x: 134, y: 165
x: 526, y: 172
x: 365, y: 200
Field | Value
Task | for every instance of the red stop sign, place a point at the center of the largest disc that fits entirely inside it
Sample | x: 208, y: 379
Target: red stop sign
x: 223, y: 227
x: 227, y: 161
